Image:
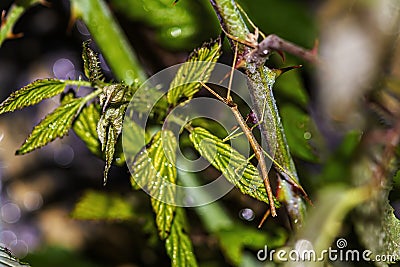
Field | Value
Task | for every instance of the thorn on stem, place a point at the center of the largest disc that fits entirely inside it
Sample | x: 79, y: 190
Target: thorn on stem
x: 286, y: 69
x: 282, y: 54
x: 45, y: 3
x: 3, y: 18
x: 264, y: 218
x: 14, y: 35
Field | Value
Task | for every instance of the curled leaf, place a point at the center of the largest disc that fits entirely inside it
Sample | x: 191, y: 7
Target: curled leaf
x: 91, y: 63
x: 109, y: 128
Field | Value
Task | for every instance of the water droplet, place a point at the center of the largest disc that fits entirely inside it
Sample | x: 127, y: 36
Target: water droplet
x: 175, y: 32
x: 307, y: 135
x: 247, y: 214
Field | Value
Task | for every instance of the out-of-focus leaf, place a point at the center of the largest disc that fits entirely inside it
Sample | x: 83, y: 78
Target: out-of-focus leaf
x: 49, y: 256
x: 300, y: 132
x: 133, y: 137
x: 178, y: 244
x: 85, y: 126
x: 325, y: 220
x: 153, y: 98
x: 91, y: 63
x: 378, y: 228
x: 337, y: 167
x: 8, y: 260
x: 154, y: 170
x: 234, y: 166
x: 102, y: 206
x: 290, y: 20
x: 291, y: 87
x: 54, y: 125
x: 197, y: 68
x: 233, y: 240
x: 176, y: 26
x: 32, y: 94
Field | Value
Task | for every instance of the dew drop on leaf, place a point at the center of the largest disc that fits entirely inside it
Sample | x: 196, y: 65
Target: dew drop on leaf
x: 307, y: 135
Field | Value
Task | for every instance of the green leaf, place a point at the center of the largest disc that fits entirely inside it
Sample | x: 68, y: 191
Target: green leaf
x: 178, y: 244
x: 378, y: 228
x: 179, y: 26
x: 54, y: 125
x: 300, y: 132
x: 109, y: 128
x: 291, y: 88
x: 233, y: 165
x: 234, y: 239
x: 85, y: 127
x: 96, y: 205
x: 154, y: 170
x: 91, y: 63
x: 32, y: 94
x: 197, y: 68
x: 133, y: 137
x: 8, y: 260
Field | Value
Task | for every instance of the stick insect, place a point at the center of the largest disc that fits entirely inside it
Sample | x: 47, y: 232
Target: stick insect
x: 258, y: 150
x: 253, y: 57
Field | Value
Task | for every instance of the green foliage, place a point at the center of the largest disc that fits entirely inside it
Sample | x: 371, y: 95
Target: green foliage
x: 289, y: 19
x: 176, y: 26
x: 8, y: 260
x: 32, y: 94
x: 234, y: 166
x: 197, y: 68
x: 299, y: 130
x: 178, y: 244
x: 154, y: 170
x: 85, y: 126
x: 134, y: 137
x: 378, y: 228
x: 234, y: 239
x: 54, y: 125
x: 60, y: 257
x: 95, y: 205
